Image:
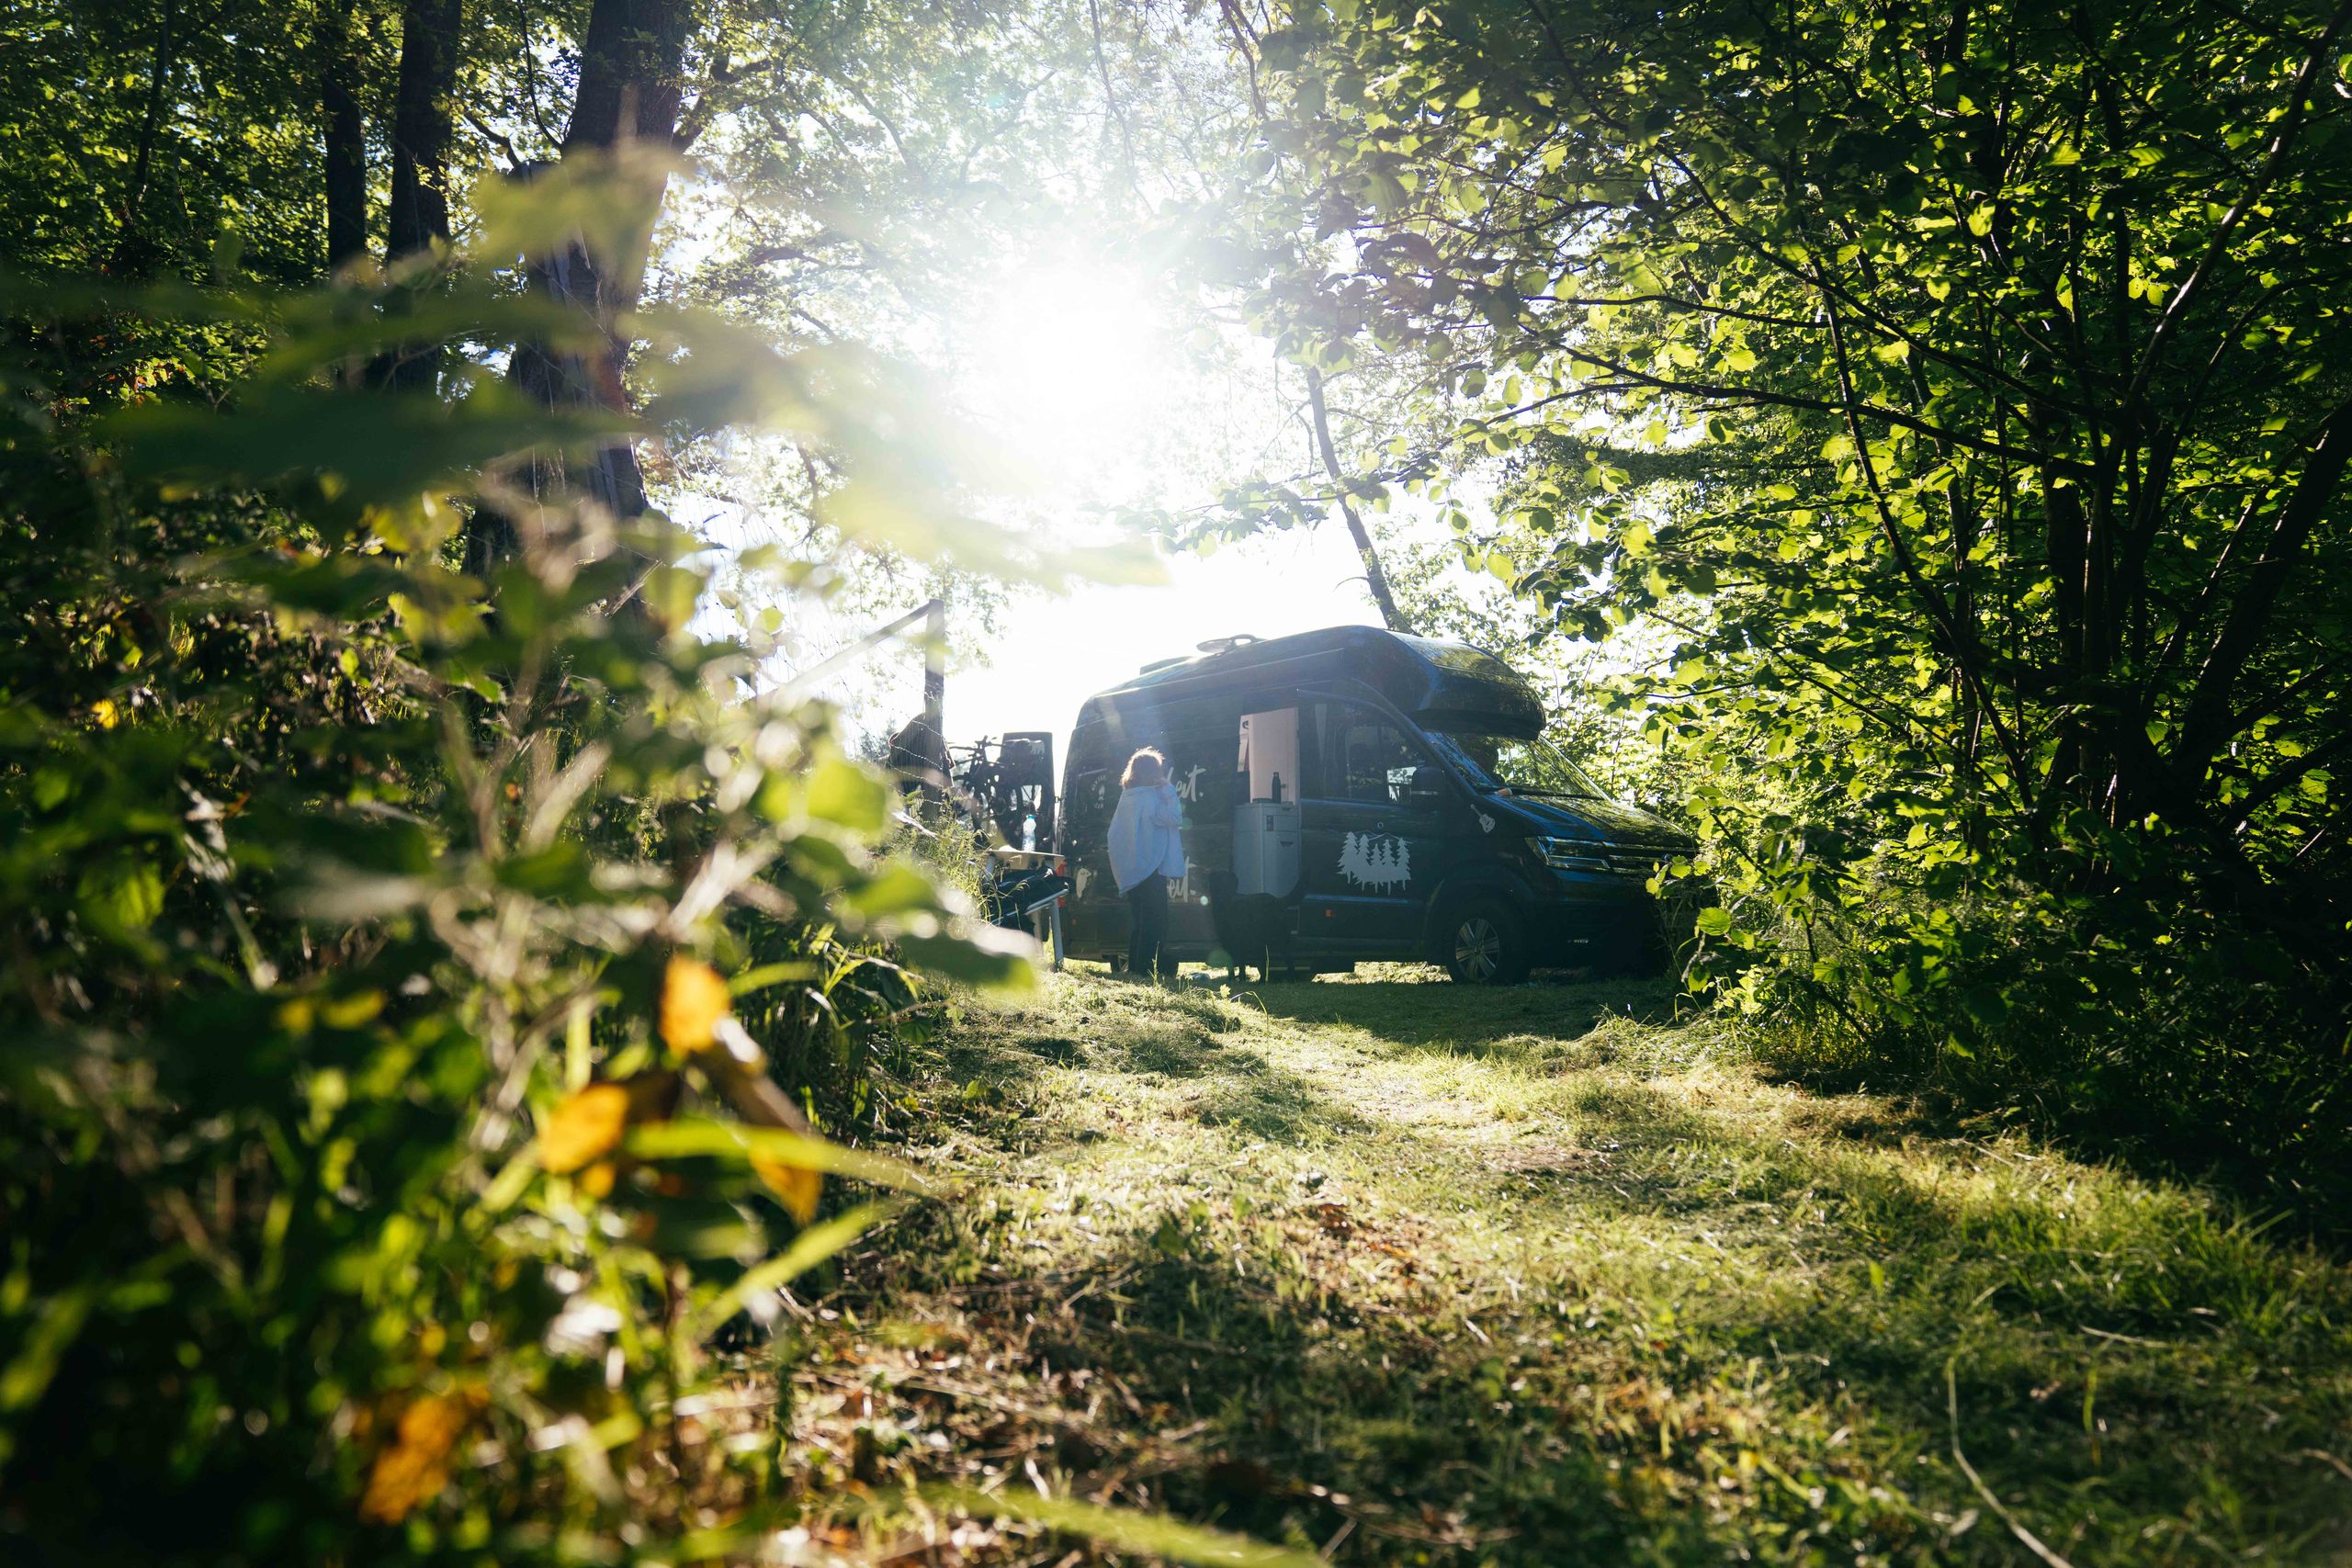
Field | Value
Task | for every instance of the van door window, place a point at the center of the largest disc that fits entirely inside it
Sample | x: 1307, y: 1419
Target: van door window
x: 1370, y: 759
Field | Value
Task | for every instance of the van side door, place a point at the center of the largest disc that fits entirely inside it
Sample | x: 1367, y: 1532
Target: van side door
x: 1373, y: 831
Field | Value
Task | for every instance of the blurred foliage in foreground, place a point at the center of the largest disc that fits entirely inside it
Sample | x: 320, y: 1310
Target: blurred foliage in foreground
x: 396, y: 956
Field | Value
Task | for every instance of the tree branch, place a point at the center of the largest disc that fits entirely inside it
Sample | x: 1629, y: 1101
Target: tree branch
x: 1374, y: 578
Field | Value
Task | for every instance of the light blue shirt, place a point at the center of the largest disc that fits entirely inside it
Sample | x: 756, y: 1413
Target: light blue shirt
x: 1146, y: 835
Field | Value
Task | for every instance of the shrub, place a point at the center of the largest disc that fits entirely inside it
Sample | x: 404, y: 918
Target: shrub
x: 382, y: 1139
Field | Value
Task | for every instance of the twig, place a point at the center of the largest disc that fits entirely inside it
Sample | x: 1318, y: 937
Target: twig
x: 2125, y: 1338
x: 2033, y: 1542
x: 497, y: 139
x: 2327, y: 1459
x: 1111, y: 98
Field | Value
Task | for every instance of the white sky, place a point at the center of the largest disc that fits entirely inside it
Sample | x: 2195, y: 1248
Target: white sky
x: 1054, y: 653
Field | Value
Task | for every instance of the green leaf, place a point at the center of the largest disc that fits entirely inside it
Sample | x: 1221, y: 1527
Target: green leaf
x: 845, y: 792
x: 121, y: 896
x: 978, y: 956
x: 894, y: 890
x: 379, y: 448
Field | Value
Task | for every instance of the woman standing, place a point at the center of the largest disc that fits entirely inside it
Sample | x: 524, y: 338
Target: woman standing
x: 1147, y: 848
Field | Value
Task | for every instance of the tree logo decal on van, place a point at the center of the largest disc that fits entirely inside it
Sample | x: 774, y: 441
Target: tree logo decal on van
x: 1375, y: 860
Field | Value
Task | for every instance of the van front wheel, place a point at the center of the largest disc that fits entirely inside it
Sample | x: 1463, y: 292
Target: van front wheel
x: 1486, y: 944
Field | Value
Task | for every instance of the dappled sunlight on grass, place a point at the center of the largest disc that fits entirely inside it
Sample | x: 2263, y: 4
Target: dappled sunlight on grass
x: 1547, y: 1274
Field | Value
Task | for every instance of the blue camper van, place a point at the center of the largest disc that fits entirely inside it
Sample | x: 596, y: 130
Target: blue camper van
x: 1353, y: 794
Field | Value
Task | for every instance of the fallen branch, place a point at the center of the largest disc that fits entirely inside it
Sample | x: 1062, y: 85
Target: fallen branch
x: 2033, y: 1542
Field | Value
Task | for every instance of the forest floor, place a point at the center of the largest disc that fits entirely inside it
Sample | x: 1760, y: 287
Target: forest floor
x: 1399, y: 1271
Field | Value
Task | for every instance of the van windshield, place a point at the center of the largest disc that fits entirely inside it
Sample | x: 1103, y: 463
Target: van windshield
x: 1506, y: 764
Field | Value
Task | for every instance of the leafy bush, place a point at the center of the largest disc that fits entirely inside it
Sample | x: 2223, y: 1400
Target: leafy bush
x: 2002, y: 550
x: 382, y: 1140
x: 2195, y: 1046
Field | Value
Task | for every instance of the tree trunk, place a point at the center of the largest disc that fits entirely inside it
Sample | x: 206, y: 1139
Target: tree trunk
x: 2205, y: 728
x: 1374, y: 578
x: 130, y: 247
x: 421, y: 126
x: 631, y: 78
x: 346, y: 139
x: 419, y: 218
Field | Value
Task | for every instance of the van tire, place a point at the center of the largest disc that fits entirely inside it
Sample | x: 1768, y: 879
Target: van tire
x: 1484, y: 942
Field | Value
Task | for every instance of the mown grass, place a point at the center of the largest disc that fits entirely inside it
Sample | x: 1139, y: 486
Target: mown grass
x: 1409, y: 1273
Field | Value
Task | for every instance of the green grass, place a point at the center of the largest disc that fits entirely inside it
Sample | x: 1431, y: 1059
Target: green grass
x: 1412, y: 1273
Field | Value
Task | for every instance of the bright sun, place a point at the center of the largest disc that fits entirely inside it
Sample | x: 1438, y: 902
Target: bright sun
x: 1071, y: 368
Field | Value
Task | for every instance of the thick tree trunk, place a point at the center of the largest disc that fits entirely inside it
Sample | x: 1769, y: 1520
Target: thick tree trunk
x: 419, y: 216
x: 346, y: 139
x: 631, y: 74
x: 631, y: 77
x: 422, y: 127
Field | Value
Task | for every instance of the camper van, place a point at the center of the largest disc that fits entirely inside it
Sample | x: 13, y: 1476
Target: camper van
x: 1353, y: 795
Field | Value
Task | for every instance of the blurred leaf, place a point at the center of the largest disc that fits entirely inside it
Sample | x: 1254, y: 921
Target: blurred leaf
x: 689, y: 1137
x: 798, y: 1184
x: 844, y: 792
x: 894, y: 890
x: 121, y: 896
x: 584, y: 1126
x: 694, y: 996
x: 385, y: 449
x: 605, y: 201
x: 977, y: 956
x: 811, y: 1248
x: 415, y: 1466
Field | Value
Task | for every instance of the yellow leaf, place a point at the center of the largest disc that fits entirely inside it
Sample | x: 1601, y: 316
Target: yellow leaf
x: 584, y: 1127
x: 693, y: 998
x: 415, y: 1466
x: 797, y: 1185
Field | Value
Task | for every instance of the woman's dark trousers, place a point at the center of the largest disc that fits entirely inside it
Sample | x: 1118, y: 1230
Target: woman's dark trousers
x: 1147, y: 930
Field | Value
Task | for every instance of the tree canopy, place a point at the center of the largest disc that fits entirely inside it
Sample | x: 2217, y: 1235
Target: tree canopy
x: 1957, y: 383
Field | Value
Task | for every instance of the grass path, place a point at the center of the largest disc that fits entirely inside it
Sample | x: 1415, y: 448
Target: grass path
x: 1407, y: 1273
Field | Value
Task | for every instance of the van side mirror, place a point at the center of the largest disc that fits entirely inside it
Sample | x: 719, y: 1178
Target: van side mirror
x: 1424, y: 788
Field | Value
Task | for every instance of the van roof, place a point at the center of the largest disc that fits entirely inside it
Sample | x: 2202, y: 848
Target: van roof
x: 1432, y: 681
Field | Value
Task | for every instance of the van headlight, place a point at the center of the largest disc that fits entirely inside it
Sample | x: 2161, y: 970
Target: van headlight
x: 1570, y: 854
